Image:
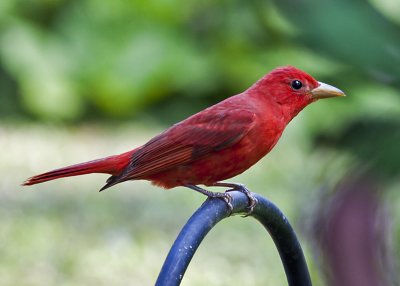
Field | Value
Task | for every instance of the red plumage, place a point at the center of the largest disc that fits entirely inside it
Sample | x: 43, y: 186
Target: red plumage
x: 215, y: 144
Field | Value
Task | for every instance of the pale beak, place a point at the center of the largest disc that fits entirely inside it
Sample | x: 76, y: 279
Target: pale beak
x: 325, y: 91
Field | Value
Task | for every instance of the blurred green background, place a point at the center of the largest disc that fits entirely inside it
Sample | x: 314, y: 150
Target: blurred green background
x: 85, y: 79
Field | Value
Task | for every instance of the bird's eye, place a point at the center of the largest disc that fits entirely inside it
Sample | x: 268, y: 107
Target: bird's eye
x: 296, y: 84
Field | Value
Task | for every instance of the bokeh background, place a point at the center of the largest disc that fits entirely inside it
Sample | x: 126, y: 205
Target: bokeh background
x: 84, y: 79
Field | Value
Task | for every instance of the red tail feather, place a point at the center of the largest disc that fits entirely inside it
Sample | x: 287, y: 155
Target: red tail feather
x: 112, y: 165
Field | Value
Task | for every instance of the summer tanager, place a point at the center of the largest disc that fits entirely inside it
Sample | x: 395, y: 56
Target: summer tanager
x: 215, y: 144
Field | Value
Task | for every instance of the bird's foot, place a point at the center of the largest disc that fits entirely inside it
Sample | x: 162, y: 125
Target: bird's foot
x: 226, y: 197
x: 241, y: 188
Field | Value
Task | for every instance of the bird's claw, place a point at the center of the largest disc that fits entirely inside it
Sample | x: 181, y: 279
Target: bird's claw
x: 228, y: 200
x: 252, y: 199
x: 226, y: 197
x: 252, y: 203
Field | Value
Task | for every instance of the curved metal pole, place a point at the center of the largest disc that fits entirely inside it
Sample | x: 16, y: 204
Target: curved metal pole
x: 214, y: 210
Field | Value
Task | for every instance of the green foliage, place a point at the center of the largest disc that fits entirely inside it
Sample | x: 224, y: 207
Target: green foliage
x: 70, y: 60
x: 115, y: 58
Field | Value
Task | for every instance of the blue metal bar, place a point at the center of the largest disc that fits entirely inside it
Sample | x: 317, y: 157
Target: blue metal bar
x: 214, y: 210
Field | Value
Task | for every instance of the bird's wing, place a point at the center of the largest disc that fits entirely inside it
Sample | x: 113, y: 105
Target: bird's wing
x: 188, y: 141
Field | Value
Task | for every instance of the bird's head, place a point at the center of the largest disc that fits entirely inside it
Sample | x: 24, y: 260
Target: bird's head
x: 294, y: 89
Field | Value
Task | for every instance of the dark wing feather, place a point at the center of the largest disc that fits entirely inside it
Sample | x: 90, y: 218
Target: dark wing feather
x: 187, y: 141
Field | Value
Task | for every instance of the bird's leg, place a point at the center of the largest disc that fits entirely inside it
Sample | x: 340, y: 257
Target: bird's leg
x: 241, y: 188
x: 225, y: 196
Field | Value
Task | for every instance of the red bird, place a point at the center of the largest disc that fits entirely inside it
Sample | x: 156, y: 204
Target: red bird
x: 215, y: 144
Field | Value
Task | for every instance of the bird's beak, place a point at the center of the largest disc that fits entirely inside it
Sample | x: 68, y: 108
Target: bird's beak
x: 325, y: 91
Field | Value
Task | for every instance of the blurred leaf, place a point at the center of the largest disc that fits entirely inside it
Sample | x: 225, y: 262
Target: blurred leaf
x: 41, y: 71
x: 390, y: 8
x: 373, y: 141
x: 352, y: 31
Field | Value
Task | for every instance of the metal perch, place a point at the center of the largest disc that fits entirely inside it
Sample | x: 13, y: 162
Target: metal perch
x: 214, y: 210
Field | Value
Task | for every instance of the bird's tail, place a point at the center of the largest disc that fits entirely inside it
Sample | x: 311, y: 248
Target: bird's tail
x: 112, y: 165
